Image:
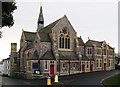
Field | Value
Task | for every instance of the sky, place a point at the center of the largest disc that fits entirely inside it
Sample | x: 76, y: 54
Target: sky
x: 96, y: 19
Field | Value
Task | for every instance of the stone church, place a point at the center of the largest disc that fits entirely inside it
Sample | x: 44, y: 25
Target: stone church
x: 55, y: 49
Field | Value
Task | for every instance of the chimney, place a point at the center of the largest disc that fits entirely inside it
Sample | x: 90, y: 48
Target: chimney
x: 13, y: 47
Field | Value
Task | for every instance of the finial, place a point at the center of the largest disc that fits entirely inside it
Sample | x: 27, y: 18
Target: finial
x: 88, y: 38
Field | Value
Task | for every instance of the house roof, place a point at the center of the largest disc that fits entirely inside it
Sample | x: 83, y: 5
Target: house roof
x: 29, y: 36
x: 97, y: 43
x: 80, y: 41
x: 84, y: 58
x: 29, y: 46
x: 48, y: 29
x: 68, y: 55
x: 48, y: 55
x: 44, y: 37
x: 110, y: 47
x: 92, y: 42
x: 6, y: 59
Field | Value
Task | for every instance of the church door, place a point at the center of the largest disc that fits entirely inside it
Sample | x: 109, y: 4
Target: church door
x: 51, y: 69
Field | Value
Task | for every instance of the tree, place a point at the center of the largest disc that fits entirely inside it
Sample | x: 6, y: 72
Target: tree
x: 7, y: 11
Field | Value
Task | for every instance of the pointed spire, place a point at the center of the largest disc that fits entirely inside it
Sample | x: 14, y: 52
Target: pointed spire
x: 40, y: 20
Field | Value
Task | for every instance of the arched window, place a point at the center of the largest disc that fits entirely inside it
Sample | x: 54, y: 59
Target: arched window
x: 21, y: 43
x: 36, y: 44
x: 64, y: 39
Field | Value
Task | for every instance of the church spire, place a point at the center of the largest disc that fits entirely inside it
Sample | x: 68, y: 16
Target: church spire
x: 40, y: 20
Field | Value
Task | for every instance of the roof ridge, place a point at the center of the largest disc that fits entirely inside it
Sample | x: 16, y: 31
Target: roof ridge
x: 29, y: 32
x: 51, y: 23
x: 96, y: 41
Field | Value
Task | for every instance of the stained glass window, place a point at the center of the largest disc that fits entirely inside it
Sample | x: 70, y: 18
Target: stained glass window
x: 64, y: 39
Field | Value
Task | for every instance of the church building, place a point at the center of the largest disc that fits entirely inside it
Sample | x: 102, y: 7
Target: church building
x: 55, y: 49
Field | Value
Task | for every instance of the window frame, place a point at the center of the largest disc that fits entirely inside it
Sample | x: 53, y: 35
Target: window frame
x: 29, y: 66
x: 87, y: 64
x: 100, y: 63
x: 46, y: 65
x: 110, y: 52
x: 89, y: 50
x: 34, y: 67
x: 109, y: 62
x: 97, y: 63
x: 99, y: 51
x: 64, y: 38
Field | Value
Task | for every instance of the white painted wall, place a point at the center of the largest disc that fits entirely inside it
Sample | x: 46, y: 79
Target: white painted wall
x: 6, y: 67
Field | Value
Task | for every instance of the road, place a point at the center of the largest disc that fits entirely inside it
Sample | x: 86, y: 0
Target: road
x: 92, y: 78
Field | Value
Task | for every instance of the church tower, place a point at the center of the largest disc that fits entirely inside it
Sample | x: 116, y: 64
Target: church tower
x: 40, y: 23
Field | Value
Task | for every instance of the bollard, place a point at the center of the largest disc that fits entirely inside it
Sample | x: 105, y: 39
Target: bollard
x: 48, y: 81
x: 56, y: 78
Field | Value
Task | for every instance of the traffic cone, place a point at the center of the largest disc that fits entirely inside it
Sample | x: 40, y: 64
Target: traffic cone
x: 56, y: 78
x: 48, y: 81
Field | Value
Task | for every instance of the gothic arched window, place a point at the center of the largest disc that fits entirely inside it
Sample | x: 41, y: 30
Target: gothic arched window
x: 64, y: 39
x: 36, y: 44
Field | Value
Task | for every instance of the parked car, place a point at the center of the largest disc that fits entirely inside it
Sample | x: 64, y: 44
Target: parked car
x: 5, y: 75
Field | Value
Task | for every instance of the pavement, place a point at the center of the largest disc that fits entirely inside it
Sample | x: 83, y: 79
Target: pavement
x: 86, y: 79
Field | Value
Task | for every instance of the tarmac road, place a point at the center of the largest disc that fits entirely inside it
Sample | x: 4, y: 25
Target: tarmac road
x: 91, y: 78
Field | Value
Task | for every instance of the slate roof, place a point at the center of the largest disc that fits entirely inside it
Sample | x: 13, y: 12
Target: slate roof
x: 48, y: 29
x: 29, y: 46
x: 84, y: 57
x: 34, y: 56
x: 92, y: 59
x: 110, y: 47
x: 68, y: 55
x: 29, y: 36
x: 92, y: 42
x: 48, y: 55
x: 44, y: 37
x: 80, y: 41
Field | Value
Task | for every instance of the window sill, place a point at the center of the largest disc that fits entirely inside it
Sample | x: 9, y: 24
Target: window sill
x: 65, y: 49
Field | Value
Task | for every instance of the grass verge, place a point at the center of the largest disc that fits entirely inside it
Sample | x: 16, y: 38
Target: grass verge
x: 114, y: 80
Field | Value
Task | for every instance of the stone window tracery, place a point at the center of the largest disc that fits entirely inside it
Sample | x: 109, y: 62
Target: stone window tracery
x: 64, y: 39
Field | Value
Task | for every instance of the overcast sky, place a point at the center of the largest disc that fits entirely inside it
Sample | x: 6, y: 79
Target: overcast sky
x: 97, y: 19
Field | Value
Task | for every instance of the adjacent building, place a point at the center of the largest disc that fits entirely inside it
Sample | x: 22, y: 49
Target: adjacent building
x: 6, y: 66
x: 1, y: 67
x: 56, y: 49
